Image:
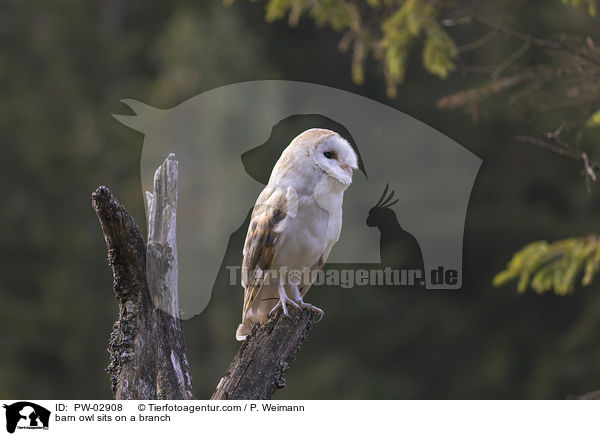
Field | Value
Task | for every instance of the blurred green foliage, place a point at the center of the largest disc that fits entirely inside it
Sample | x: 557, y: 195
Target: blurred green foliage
x: 66, y: 65
x: 386, y: 28
x: 594, y: 120
x: 555, y: 266
x: 591, y: 5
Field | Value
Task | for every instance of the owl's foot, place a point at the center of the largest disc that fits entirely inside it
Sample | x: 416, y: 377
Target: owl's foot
x: 315, y: 309
x: 284, y: 300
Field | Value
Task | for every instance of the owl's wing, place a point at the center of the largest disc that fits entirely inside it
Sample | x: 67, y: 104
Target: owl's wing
x: 269, y: 217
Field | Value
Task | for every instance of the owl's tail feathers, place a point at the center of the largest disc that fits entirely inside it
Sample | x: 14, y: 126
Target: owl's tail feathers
x: 242, y: 331
x: 253, y: 316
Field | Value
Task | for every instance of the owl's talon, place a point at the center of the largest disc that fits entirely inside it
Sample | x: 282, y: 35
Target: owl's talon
x: 315, y: 309
x: 291, y: 303
x: 283, y: 302
x: 274, y: 310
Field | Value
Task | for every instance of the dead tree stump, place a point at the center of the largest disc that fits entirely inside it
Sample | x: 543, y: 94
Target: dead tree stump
x: 147, y: 348
x: 258, y: 368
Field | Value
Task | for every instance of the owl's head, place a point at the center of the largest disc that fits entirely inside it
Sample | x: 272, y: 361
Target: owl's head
x: 317, y: 150
x: 331, y: 153
x: 335, y: 157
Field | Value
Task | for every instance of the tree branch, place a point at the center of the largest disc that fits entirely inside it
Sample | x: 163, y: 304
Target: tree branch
x: 549, y: 44
x: 147, y: 348
x: 589, y: 166
x: 258, y: 368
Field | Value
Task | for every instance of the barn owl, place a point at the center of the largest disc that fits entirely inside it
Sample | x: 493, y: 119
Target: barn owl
x: 295, y: 222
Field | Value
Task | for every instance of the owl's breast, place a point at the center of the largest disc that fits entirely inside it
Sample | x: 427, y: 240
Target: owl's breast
x: 304, y: 238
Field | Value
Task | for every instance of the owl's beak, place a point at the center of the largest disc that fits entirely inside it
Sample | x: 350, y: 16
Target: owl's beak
x: 347, y: 169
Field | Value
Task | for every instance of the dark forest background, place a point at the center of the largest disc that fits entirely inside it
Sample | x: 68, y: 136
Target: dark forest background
x: 65, y: 65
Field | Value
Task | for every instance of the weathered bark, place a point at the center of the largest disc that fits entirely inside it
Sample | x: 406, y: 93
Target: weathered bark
x: 147, y: 348
x: 258, y: 368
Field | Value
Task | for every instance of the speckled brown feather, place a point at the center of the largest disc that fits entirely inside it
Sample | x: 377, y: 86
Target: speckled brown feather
x: 260, y: 247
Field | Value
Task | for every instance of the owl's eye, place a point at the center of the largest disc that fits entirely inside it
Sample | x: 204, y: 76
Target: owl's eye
x: 327, y: 154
